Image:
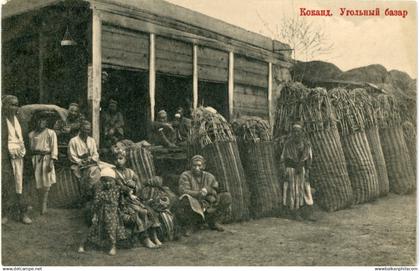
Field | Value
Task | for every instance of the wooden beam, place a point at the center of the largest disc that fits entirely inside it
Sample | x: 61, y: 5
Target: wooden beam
x: 270, y: 94
x: 231, y: 84
x: 200, y: 38
x: 41, y: 49
x: 152, y: 76
x: 195, y: 77
x: 94, y: 94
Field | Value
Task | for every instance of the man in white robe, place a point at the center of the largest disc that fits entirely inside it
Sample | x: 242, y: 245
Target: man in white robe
x: 12, y: 160
x: 83, y: 153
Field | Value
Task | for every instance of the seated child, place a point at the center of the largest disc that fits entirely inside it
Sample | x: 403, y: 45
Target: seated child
x: 135, y: 213
x: 107, y: 226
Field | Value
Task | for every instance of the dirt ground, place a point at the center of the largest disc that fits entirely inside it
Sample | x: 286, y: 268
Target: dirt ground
x: 379, y: 233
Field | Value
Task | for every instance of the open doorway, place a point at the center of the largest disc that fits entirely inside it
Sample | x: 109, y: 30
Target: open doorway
x: 215, y: 95
x: 173, y: 92
x: 130, y: 89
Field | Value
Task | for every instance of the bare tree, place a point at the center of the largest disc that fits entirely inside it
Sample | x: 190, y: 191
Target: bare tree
x: 306, y: 39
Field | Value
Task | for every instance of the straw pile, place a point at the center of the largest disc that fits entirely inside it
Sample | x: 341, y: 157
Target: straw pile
x: 410, y: 141
x: 360, y: 165
x: 400, y: 171
x: 328, y: 173
x: 369, y: 107
x: 257, y: 155
x: 211, y: 136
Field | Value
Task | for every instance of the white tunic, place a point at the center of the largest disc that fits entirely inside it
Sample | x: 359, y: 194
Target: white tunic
x: 45, y: 147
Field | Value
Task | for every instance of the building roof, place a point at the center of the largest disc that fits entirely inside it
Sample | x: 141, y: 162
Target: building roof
x: 163, y: 9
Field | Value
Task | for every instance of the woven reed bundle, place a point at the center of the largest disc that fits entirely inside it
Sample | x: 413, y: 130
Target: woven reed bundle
x: 410, y: 141
x: 211, y: 136
x: 359, y: 160
x: 257, y: 155
x: 66, y: 192
x: 369, y: 106
x: 400, y: 171
x: 139, y: 158
x: 328, y: 171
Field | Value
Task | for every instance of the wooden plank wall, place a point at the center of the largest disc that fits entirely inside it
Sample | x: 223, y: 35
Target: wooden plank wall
x: 212, y: 64
x: 250, y: 101
x: 174, y: 57
x: 123, y: 47
x: 250, y: 72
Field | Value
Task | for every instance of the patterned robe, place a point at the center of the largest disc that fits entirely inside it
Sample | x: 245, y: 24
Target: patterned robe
x: 132, y: 210
x: 296, y: 189
x: 109, y: 225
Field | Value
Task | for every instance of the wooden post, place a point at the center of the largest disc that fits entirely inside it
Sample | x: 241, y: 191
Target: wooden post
x: 94, y: 94
x: 41, y: 49
x: 231, y: 84
x: 195, y: 77
x: 152, y: 76
x: 270, y: 94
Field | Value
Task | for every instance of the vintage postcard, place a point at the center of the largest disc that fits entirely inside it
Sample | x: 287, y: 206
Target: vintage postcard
x: 208, y: 133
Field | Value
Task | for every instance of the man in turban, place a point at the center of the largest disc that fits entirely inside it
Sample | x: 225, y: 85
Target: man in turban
x: 182, y: 126
x: 200, y: 199
x: 13, y: 151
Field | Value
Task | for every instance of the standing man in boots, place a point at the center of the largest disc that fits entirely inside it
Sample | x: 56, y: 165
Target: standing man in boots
x: 13, y: 151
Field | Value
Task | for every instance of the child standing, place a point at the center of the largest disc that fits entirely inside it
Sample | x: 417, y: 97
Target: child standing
x: 107, y: 227
x: 44, y: 150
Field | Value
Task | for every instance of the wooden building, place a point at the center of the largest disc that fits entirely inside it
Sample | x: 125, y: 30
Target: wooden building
x: 150, y: 55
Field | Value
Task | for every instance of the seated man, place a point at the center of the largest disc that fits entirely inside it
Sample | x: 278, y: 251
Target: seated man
x: 200, y: 200
x: 69, y: 128
x: 182, y: 126
x: 162, y: 131
x: 113, y: 122
x: 83, y: 153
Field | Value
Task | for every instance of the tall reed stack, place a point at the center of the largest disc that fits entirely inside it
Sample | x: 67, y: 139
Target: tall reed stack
x: 402, y: 179
x: 359, y: 160
x: 256, y: 148
x: 369, y: 106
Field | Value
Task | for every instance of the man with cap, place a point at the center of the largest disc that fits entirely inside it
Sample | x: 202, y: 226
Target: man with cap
x: 112, y: 122
x: 13, y: 151
x: 44, y: 151
x: 200, y: 200
x: 83, y: 153
x: 163, y: 133
x: 69, y: 128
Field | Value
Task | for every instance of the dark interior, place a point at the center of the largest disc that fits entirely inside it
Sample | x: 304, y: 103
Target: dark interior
x: 173, y: 92
x: 214, y: 95
x: 130, y: 89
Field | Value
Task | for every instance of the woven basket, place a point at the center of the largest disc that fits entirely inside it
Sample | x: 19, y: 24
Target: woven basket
x: 262, y: 176
x: 66, y: 192
x: 372, y: 135
x: 141, y: 161
x: 329, y: 172
x: 360, y: 166
x: 400, y: 172
x: 224, y: 162
x: 411, y: 142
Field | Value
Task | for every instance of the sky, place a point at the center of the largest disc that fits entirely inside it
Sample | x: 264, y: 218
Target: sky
x: 357, y: 41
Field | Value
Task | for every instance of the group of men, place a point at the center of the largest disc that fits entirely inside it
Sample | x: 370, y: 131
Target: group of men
x: 199, y: 197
